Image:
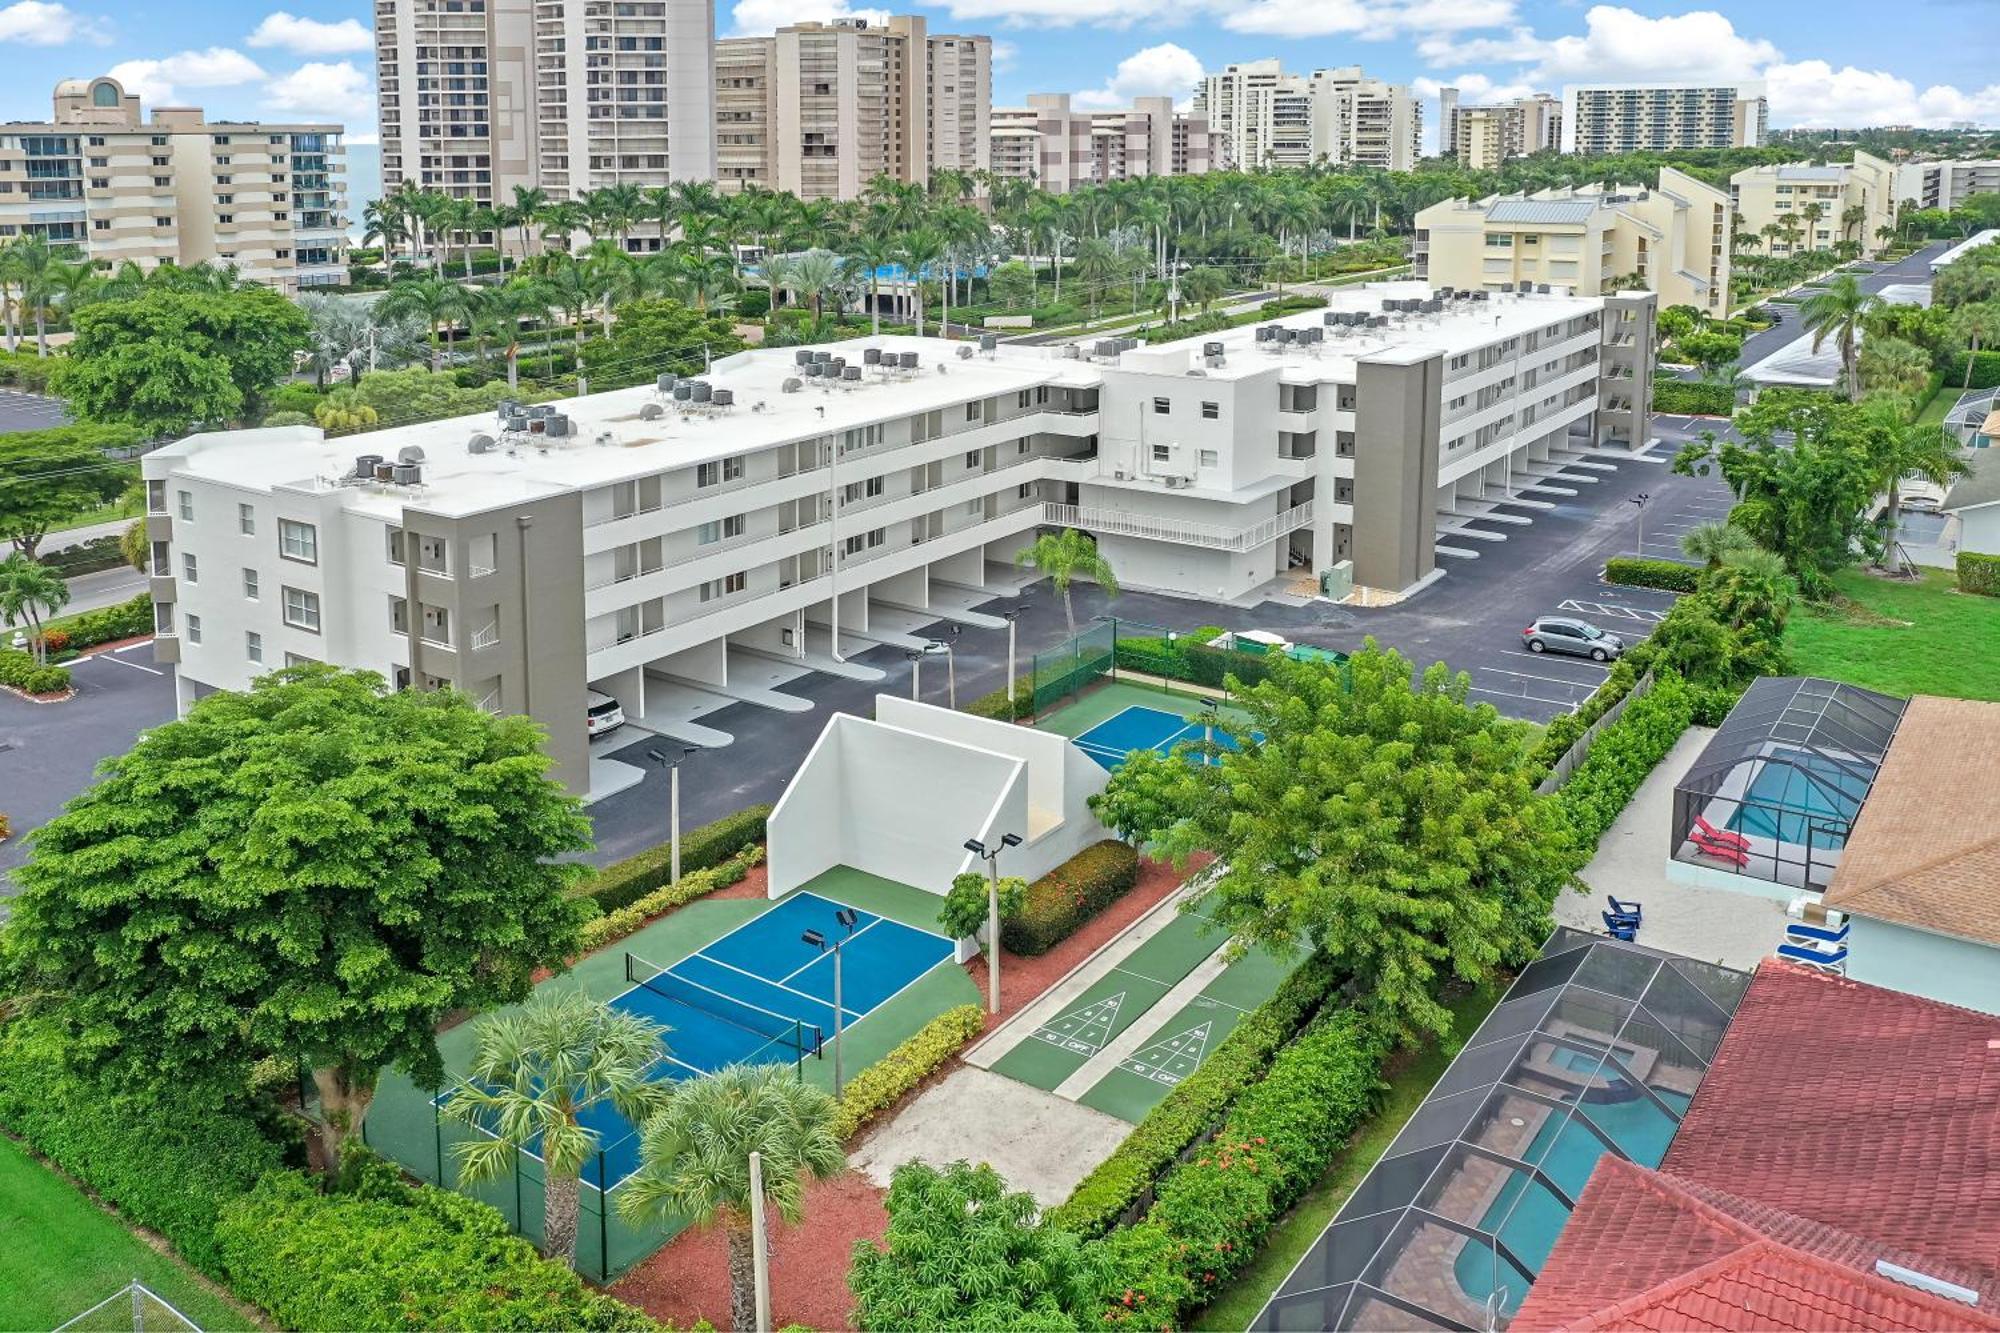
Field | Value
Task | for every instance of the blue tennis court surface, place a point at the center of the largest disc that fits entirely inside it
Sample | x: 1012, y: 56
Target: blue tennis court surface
x: 1141, y: 728
x: 760, y: 995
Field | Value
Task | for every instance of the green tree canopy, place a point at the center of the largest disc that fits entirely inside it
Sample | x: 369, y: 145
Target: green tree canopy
x: 1380, y: 816
x: 655, y: 336
x: 168, y: 360
x: 315, y: 869
x: 50, y: 476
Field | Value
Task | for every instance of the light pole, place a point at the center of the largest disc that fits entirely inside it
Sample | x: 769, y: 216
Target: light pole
x: 1640, y: 501
x: 846, y: 916
x: 916, y: 656
x: 951, y: 663
x: 1208, y: 731
x: 673, y: 767
x: 978, y: 848
x: 1010, y: 617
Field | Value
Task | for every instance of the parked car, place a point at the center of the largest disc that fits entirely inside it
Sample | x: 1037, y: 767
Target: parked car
x: 603, y: 715
x: 1579, y: 638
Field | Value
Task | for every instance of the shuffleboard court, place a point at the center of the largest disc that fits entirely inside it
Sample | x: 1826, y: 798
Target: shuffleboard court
x: 1181, y: 1041
x: 1064, y: 1043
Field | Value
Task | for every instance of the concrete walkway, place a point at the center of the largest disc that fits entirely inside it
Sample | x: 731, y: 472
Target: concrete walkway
x: 1714, y: 925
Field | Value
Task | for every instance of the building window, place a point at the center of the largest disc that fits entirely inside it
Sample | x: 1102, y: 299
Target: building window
x: 395, y: 546
x: 299, y: 659
x: 246, y: 520
x: 298, y: 541
x: 188, y: 567
x: 250, y: 583
x: 1163, y: 453
x: 723, y: 587
x: 253, y: 645
x: 720, y: 530
x: 187, y: 506
x: 399, y: 615
x: 972, y: 412
x: 1210, y: 458
x: 1161, y: 407
x: 716, y: 473
x: 156, y: 497
x: 972, y: 459
x: 302, y: 609
x: 194, y: 629
x: 1211, y: 411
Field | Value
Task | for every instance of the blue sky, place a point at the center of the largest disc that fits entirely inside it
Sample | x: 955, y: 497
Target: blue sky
x: 1837, y: 62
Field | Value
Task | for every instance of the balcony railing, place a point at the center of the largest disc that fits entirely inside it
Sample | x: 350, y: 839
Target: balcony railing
x: 1124, y: 524
x: 487, y: 636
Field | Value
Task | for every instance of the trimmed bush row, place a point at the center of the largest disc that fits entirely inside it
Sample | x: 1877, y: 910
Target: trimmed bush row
x: 1213, y: 1213
x: 26, y: 370
x: 1196, y: 1105
x: 1670, y: 575
x: 380, y: 1254
x: 18, y: 669
x: 86, y: 557
x: 621, y: 921
x: 1185, y: 660
x: 1692, y: 396
x: 994, y: 705
x: 127, y: 620
x: 625, y: 882
x: 1564, y: 729
x: 877, y: 1087
x: 1985, y: 372
x: 1071, y: 894
x: 1623, y: 754
x: 1979, y: 573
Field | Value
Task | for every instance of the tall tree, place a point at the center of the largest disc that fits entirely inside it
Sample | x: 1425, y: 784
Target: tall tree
x: 1713, y: 543
x: 432, y: 298
x: 694, y: 1160
x: 1838, y: 311
x: 30, y: 592
x: 324, y: 870
x: 1903, y: 449
x: 50, y: 476
x: 1060, y: 557
x: 1977, y: 323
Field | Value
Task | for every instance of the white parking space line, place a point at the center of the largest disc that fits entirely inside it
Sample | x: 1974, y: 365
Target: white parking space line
x: 1529, y: 675
x: 1583, y: 662
x: 1613, y: 610
x: 119, y: 661
x: 1567, y: 705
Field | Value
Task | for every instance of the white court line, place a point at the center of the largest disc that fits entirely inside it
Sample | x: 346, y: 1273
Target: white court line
x: 710, y: 958
x: 107, y: 657
x: 822, y: 958
x: 1155, y: 981
x: 1528, y: 675
x: 1568, y: 705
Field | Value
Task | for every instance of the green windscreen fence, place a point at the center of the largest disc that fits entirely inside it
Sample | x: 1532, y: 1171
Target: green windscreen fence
x: 1062, y: 671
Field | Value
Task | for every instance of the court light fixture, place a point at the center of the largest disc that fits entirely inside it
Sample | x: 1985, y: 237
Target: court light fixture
x: 975, y: 846
x: 1010, y: 840
x: 814, y: 938
x: 847, y: 916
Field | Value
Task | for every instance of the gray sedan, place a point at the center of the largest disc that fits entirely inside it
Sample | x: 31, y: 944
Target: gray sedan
x: 1579, y: 638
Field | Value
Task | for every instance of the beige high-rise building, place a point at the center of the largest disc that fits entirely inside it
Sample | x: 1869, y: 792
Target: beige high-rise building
x: 1639, y: 118
x: 1946, y: 184
x: 1060, y: 148
x: 268, y: 198
x: 1264, y: 117
x: 477, y: 97
x: 1590, y: 240
x: 1821, y: 206
x: 822, y: 109
x: 1484, y: 137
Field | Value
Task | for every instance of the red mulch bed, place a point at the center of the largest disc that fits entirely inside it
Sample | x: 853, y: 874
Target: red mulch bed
x: 689, y: 1279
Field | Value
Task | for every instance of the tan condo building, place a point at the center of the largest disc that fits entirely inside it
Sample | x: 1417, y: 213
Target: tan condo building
x: 1483, y: 137
x: 1059, y: 147
x: 822, y: 109
x: 1945, y: 184
x: 1818, y: 206
x: 97, y: 176
x: 1264, y: 117
x: 1639, y: 118
x: 1672, y: 239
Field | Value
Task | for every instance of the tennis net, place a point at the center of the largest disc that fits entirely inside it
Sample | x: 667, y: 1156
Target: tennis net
x: 795, y: 1035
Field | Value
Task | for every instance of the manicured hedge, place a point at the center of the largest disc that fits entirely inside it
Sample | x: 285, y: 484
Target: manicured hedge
x: 1197, y: 1103
x: 1564, y: 729
x: 25, y: 370
x: 127, y: 620
x: 1195, y: 663
x: 18, y: 670
x: 1622, y: 755
x: 1671, y: 575
x: 877, y: 1087
x: 1979, y: 573
x: 622, y: 921
x: 86, y: 557
x: 380, y: 1254
x: 625, y: 882
x: 995, y: 705
x: 162, y: 1167
x: 1071, y: 894
x: 1985, y: 372
x: 1692, y: 397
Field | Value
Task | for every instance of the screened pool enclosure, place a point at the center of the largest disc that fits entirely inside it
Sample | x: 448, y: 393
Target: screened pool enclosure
x: 1776, y: 790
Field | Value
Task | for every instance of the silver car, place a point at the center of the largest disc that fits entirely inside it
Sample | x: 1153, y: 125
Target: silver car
x: 1579, y: 638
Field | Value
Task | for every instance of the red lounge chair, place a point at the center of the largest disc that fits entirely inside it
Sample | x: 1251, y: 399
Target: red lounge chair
x: 1723, y: 836
x: 1726, y: 851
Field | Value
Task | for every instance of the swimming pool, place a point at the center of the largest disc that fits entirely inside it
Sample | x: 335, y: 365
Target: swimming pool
x: 1526, y: 1217
x: 1796, y: 796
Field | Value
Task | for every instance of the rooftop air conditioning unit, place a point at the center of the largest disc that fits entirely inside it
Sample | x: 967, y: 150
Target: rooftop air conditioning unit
x: 479, y: 444
x: 871, y: 356
x: 907, y: 360
x: 410, y: 453
x: 850, y: 374
x: 791, y: 385
x: 988, y: 343
x: 364, y: 466
x: 701, y: 392
x: 558, y: 424
x: 652, y: 412
x: 1072, y: 352
x: 723, y: 398
x: 665, y: 383
x: 407, y: 474
x: 965, y: 351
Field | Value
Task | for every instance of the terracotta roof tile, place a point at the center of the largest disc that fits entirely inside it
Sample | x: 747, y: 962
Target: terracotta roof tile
x: 1925, y: 850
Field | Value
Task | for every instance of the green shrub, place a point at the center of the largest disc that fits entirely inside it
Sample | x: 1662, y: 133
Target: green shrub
x: 288, y: 419
x: 1564, y: 729
x: 622, y: 921
x: 1621, y: 757
x: 1185, y: 659
x: 1692, y: 397
x: 18, y: 669
x: 1197, y: 1103
x: 624, y: 882
x: 127, y: 620
x: 1071, y: 894
x: 379, y: 1254
x: 1979, y: 573
x: 1670, y: 575
x: 165, y: 1167
x: 1985, y: 371
x: 25, y: 370
x: 878, y: 1087
x: 86, y: 557
x: 995, y: 705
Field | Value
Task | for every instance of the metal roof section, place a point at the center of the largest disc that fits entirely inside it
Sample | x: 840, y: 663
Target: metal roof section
x: 1542, y: 211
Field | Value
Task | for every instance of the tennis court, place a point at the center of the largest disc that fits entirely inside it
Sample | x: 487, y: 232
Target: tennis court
x: 1142, y: 728
x: 760, y: 995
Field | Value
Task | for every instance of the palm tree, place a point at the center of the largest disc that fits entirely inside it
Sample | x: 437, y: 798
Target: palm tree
x: 35, y: 269
x: 694, y: 1160
x: 535, y: 1071
x: 1978, y: 322
x: 810, y: 277
x: 1714, y: 543
x: 1812, y: 213
x: 1098, y: 266
x: 454, y: 218
x: 528, y: 205
x: 919, y: 250
x: 434, y: 299
x: 569, y: 289
x: 1891, y: 365
x: 561, y: 220
x: 613, y: 278
x: 1838, y: 311
x: 30, y: 590
x: 867, y: 255
x: 513, y: 304
x: 1902, y: 449
x: 1061, y: 556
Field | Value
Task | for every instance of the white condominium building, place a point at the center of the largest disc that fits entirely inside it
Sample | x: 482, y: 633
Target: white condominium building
x: 822, y: 109
x: 1594, y: 238
x: 97, y: 176
x: 792, y: 506
x: 1945, y: 185
x: 1060, y: 148
x: 1640, y: 118
x: 1264, y: 117
x: 477, y: 97
x: 1484, y: 137
x: 1817, y: 206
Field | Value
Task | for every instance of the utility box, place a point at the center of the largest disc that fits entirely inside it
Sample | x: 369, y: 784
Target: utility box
x: 1337, y: 581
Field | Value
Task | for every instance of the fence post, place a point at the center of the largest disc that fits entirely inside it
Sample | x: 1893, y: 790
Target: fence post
x: 519, y: 1217
x: 138, y: 1306
x: 437, y: 1135
x: 603, y: 1222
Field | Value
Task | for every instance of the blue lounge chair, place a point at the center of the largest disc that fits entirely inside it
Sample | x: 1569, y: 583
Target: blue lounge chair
x: 1624, y: 909
x: 1834, y: 960
x: 1802, y: 932
x: 1621, y: 928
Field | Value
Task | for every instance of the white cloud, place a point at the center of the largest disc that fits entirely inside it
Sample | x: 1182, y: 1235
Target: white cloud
x: 310, y: 36
x: 1071, y: 13
x: 367, y: 139
x: 1165, y: 70
x: 158, y: 81
x: 1004, y: 54
x: 1812, y: 92
x: 1369, y: 20
x: 1474, y: 89
x: 759, y: 18
x: 35, y: 23
x: 324, y: 90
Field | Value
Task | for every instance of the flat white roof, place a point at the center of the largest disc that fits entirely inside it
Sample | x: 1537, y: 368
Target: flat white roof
x: 1957, y: 252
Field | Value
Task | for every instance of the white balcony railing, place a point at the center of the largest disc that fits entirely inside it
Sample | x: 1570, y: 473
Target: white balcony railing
x: 486, y: 636
x: 1124, y: 524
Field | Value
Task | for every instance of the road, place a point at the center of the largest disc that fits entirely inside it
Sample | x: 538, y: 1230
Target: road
x: 1913, y: 268
x: 29, y: 411
x: 56, y: 541
x: 107, y: 587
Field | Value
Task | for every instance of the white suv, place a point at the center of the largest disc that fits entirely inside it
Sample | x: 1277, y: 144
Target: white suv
x: 603, y: 715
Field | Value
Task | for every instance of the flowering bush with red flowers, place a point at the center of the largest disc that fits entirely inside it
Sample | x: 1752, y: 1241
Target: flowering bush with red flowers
x: 1060, y: 902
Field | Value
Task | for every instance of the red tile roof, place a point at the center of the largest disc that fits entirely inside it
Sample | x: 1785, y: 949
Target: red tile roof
x: 1857, y: 1108
x: 1646, y: 1251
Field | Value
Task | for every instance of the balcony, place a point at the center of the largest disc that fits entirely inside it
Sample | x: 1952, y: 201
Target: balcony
x: 1125, y: 524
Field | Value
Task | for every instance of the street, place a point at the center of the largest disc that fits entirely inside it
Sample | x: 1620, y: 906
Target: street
x: 1915, y: 268
x: 29, y: 411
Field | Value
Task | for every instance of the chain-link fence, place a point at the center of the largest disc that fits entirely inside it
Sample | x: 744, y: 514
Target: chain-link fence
x: 135, y: 1306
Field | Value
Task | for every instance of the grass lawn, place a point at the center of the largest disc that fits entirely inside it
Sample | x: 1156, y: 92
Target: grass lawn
x: 1901, y: 638
x: 60, y: 1254
x: 1411, y: 1076
x: 1940, y: 403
